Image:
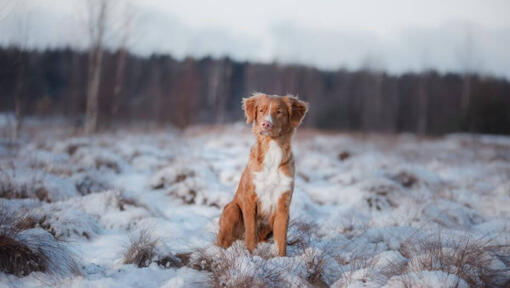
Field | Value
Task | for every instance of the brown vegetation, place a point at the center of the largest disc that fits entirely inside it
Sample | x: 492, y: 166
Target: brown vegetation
x: 24, y: 250
x: 141, y: 250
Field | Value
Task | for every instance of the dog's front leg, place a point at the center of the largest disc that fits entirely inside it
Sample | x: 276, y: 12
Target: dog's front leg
x: 250, y: 225
x: 281, y: 223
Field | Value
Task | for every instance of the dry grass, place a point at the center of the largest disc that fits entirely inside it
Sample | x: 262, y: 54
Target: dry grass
x: 301, y: 237
x: 17, y: 259
x: 73, y: 147
x: 89, y: 185
x: 170, y: 261
x: 382, y: 197
x: 24, y: 250
x: 315, y: 266
x: 10, y: 189
x: 469, y: 259
x: 237, y: 267
x: 188, y: 197
x: 142, y: 249
x: 361, y: 267
x: 301, y: 233
x: 107, y: 163
x: 29, y: 222
x: 406, y: 179
x: 142, y: 252
x: 225, y: 271
x: 124, y: 201
x: 344, y: 155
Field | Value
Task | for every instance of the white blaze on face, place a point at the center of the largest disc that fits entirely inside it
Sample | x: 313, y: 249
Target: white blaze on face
x: 268, y: 117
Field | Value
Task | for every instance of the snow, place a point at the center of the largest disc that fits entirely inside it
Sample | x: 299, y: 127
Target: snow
x: 359, y: 201
x: 427, y: 279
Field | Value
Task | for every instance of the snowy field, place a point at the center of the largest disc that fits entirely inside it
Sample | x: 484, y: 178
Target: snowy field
x: 140, y: 208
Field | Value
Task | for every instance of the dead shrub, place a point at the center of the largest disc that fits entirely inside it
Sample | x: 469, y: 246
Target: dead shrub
x: 73, y: 147
x: 227, y: 267
x: 184, y: 258
x: 89, y: 185
x: 315, y: 264
x: 226, y: 271
x: 169, y: 176
x: 225, y: 274
x: 34, y: 250
x: 142, y: 249
x: 200, y: 260
x: 62, y: 224
x: 300, y: 234
x: 17, y: 259
x: 344, y: 155
x: 181, y: 177
x: 187, y: 198
x: 405, y: 179
x: 107, y: 163
x: 381, y: 198
x: 469, y: 259
x: 170, y: 261
x: 142, y: 252
x: 29, y: 222
x: 124, y: 201
x: 350, y: 227
x: 360, y: 268
x: 11, y: 189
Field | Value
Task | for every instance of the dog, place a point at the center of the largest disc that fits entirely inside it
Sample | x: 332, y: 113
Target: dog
x: 260, y: 207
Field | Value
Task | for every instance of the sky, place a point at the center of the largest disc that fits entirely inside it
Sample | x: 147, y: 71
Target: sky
x: 395, y: 36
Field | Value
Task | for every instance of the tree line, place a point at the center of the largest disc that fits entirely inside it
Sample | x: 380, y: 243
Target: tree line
x: 191, y: 91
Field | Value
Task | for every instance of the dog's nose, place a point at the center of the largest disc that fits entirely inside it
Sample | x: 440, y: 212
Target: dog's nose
x: 266, y: 125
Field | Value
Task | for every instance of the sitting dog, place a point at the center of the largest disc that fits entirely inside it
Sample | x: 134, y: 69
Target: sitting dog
x: 261, y: 204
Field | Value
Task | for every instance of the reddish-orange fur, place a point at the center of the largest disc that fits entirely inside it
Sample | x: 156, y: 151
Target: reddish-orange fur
x: 244, y: 214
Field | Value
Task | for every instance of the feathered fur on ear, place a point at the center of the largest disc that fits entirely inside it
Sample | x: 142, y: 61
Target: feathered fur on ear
x: 297, y: 110
x: 250, y: 107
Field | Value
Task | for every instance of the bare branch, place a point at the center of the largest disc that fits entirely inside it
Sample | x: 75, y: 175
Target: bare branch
x: 98, y: 15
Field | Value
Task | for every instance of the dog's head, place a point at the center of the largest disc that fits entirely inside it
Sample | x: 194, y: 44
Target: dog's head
x: 273, y: 115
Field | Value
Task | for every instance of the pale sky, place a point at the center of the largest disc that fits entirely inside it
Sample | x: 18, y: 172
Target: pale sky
x: 395, y: 36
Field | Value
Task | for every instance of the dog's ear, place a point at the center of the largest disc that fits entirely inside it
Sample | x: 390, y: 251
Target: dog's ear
x: 250, y: 107
x: 297, y: 110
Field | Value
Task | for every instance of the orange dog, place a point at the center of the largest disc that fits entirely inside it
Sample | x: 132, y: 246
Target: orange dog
x: 261, y: 204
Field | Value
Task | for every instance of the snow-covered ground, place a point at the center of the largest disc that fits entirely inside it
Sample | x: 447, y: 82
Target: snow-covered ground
x: 367, y: 211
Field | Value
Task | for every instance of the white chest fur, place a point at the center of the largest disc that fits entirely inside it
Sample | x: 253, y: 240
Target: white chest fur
x: 271, y: 182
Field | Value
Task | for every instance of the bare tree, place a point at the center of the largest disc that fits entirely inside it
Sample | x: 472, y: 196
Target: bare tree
x: 21, y: 65
x: 126, y: 29
x: 97, y: 20
x: 218, y: 87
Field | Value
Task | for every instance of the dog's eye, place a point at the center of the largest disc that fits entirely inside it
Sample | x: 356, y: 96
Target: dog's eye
x: 261, y: 110
x: 278, y: 112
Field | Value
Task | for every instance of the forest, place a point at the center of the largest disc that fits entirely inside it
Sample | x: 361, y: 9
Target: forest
x: 164, y: 90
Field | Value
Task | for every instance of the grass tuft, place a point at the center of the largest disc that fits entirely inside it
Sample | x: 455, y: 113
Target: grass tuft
x: 142, y: 249
x: 24, y: 250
